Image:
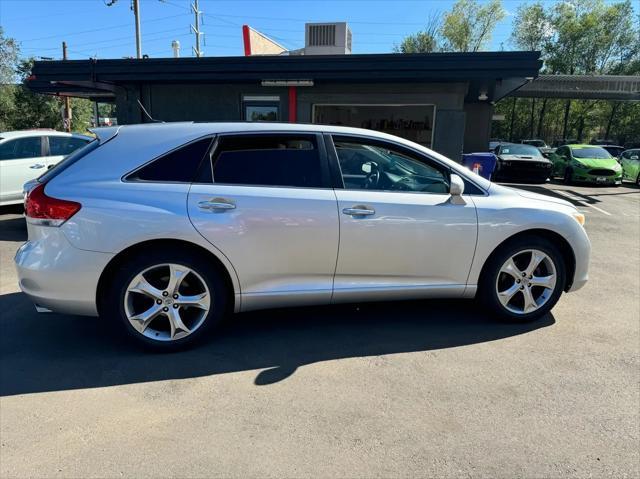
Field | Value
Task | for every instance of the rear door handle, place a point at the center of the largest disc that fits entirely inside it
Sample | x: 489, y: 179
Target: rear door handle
x: 217, y: 204
x: 359, y: 211
x: 37, y: 166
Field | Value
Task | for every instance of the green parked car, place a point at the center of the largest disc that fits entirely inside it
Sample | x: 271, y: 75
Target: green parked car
x: 630, y: 162
x: 586, y: 164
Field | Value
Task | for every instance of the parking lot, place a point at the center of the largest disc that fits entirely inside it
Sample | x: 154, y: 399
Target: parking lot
x: 425, y: 388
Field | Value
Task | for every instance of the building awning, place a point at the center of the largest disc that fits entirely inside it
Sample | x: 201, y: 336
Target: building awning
x: 497, y: 73
x: 582, y: 87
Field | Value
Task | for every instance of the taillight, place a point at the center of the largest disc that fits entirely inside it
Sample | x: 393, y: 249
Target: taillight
x: 43, y: 210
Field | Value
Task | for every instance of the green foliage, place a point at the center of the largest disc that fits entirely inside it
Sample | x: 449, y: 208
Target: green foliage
x: 576, y: 37
x: 469, y: 25
x: 21, y: 109
x: 421, y: 42
x: 425, y: 41
x: 8, y: 58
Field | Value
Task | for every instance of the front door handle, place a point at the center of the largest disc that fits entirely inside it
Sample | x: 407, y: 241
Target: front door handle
x: 359, y: 210
x: 37, y: 166
x: 216, y: 204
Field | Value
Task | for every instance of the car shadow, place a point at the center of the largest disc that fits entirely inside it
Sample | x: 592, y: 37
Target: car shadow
x: 12, y: 227
x: 54, y: 352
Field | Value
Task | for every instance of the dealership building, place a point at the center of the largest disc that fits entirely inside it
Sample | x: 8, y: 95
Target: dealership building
x: 441, y: 100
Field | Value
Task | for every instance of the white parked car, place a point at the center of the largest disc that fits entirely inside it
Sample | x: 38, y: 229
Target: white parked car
x: 26, y: 154
x: 165, y: 228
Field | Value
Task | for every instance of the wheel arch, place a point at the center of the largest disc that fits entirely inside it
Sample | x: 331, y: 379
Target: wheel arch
x: 563, y: 245
x: 140, y: 248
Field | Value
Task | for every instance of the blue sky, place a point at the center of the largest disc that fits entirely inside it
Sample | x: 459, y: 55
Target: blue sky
x: 91, y: 29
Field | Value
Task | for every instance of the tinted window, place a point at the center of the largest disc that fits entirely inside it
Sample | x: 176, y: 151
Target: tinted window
x: 177, y: 166
x: 382, y: 167
x: 68, y: 161
x: 268, y: 160
x: 30, y: 147
x: 64, y: 145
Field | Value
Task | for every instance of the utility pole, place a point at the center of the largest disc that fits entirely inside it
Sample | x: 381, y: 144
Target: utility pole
x: 136, y: 12
x: 196, y: 29
x: 66, y: 120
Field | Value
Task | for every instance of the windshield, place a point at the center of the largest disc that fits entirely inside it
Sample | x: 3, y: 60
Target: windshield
x: 590, y: 152
x: 525, y: 150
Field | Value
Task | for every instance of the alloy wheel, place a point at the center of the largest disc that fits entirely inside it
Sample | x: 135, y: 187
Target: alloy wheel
x: 526, y: 281
x: 167, y: 302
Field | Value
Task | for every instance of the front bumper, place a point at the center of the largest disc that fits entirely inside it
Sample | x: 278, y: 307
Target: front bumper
x: 584, y: 177
x: 56, y: 275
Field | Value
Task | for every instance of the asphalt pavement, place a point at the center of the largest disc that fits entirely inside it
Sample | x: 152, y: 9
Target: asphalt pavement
x: 423, y: 388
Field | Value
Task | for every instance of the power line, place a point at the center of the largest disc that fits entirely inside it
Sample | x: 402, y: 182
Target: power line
x: 113, y: 27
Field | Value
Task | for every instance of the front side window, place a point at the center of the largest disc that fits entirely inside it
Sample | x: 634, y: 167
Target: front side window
x: 379, y: 166
x: 65, y: 145
x: 30, y: 147
x: 268, y: 160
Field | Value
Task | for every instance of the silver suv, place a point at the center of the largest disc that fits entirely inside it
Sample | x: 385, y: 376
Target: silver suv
x: 165, y: 228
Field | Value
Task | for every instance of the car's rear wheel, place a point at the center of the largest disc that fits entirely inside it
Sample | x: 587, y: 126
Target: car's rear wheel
x: 523, y: 280
x: 638, y: 180
x: 168, y: 301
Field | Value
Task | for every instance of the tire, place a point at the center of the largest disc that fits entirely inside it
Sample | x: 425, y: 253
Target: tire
x: 568, y: 175
x: 638, y: 180
x: 494, y: 280
x: 197, y: 279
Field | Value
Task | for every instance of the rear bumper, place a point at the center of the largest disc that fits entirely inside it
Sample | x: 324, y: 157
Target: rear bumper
x: 56, y: 275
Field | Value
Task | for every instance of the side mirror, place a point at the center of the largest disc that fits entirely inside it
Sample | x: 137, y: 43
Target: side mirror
x: 456, y: 188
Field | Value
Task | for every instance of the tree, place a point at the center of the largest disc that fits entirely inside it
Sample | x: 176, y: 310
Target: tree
x: 469, y: 25
x: 533, y: 29
x: 9, y: 53
x: 578, y: 37
x: 425, y: 41
x: 590, y: 36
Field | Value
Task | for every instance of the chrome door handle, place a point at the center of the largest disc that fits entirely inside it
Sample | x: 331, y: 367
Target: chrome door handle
x: 217, y: 204
x: 37, y: 166
x: 359, y: 211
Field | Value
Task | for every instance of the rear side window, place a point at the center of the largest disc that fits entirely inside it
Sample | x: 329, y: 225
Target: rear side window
x: 68, y: 161
x: 177, y: 166
x: 268, y: 160
x: 65, y: 145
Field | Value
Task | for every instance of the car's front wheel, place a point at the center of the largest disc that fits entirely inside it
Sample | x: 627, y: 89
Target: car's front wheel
x: 167, y: 300
x: 524, y: 279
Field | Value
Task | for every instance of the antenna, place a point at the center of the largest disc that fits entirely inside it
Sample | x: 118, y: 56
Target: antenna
x: 153, y: 120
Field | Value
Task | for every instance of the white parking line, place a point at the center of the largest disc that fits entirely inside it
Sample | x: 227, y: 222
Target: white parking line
x: 582, y: 202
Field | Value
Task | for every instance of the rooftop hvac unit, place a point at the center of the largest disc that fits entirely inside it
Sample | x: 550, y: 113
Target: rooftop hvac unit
x: 327, y: 39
